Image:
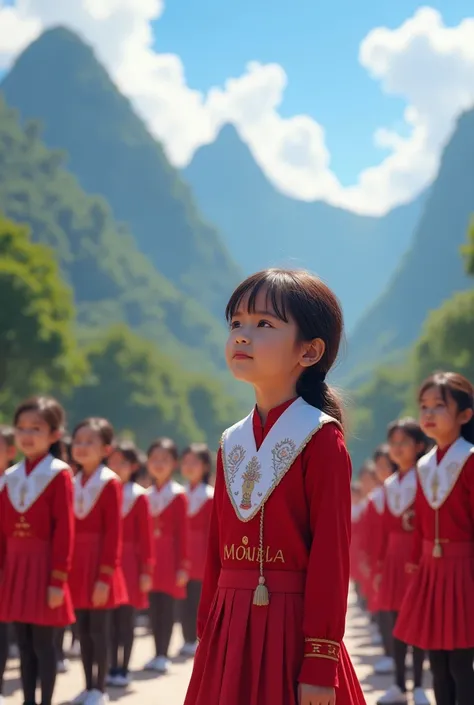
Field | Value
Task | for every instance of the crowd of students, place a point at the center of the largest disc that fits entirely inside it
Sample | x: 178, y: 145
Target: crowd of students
x: 93, y: 532
x: 413, y: 544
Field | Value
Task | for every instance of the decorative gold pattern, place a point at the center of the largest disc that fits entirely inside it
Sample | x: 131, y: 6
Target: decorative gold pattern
x: 281, y: 453
x: 251, y: 475
x: 438, y: 479
x: 235, y: 459
x: 59, y: 575
x: 106, y: 570
x: 322, y: 648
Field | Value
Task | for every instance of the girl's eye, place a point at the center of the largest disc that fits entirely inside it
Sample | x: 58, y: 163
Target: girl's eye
x: 264, y: 324
x: 234, y: 324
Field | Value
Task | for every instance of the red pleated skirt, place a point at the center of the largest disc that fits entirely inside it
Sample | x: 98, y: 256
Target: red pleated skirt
x: 85, y: 573
x: 438, y: 609
x: 166, y: 567
x: 131, y: 568
x: 197, y: 551
x: 25, y: 582
x: 253, y: 655
x: 395, y: 578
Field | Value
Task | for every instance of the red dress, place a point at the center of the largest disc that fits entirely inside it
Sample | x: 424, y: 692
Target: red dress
x: 396, y: 546
x: 199, y: 517
x: 137, y: 551
x: 98, y: 544
x: 438, y: 609
x: 357, y: 513
x: 276, y: 513
x: 169, y: 508
x: 36, y: 540
x: 370, y: 541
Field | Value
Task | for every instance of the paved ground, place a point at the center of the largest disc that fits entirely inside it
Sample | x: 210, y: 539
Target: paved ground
x: 147, y: 689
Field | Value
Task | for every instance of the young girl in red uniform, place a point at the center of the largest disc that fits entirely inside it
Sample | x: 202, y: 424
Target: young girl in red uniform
x: 272, y: 613
x: 7, y: 455
x: 168, y: 507
x: 196, y: 469
x: 97, y: 583
x: 407, y: 443
x: 137, y: 559
x: 36, y: 540
x: 437, y: 613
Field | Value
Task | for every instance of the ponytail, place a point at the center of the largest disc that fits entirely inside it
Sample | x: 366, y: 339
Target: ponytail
x: 312, y: 387
x: 56, y: 450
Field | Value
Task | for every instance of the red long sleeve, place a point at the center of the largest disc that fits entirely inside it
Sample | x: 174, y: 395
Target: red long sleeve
x: 213, y: 557
x: 2, y: 532
x: 145, y: 530
x: 417, y: 532
x: 112, y: 531
x: 63, y: 529
x: 181, y: 543
x: 328, y: 479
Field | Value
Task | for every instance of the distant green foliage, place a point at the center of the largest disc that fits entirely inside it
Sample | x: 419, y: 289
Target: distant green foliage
x: 468, y: 250
x: 113, y: 154
x: 111, y: 279
x: 37, y: 347
x: 141, y: 390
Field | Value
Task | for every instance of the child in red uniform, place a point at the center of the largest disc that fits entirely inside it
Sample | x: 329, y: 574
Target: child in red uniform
x: 437, y: 613
x: 168, y: 507
x: 407, y: 443
x: 196, y: 463
x: 7, y: 455
x: 97, y: 583
x: 137, y: 559
x: 272, y: 613
x: 36, y: 540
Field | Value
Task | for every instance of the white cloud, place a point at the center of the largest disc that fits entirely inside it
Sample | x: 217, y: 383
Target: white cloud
x: 424, y: 62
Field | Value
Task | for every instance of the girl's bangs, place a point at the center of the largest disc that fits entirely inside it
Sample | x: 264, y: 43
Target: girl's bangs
x: 275, y: 296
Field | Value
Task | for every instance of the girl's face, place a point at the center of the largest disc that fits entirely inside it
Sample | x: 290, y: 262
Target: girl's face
x: 192, y: 468
x: 404, y: 450
x: 261, y: 348
x: 383, y: 468
x: 88, y: 449
x: 368, y: 482
x: 161, y: 465
x: 441, y: 420
x: 33, y: 436
x: 120, y: 465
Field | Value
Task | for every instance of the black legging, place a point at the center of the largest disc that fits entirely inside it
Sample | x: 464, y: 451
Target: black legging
x: 161, y: 620
x: 123, y: 628
x: 190, y: 609
x: 4, y: 643
x: 385, y: 623
x: 37, y: 647
x: 59, y: 641
x: 400, y: 654
x: 94, y: 636
x: 453, y: 676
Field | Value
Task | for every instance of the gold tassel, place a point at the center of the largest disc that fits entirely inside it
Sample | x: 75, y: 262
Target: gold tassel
x: 437, y: 550
x: 260, y: 596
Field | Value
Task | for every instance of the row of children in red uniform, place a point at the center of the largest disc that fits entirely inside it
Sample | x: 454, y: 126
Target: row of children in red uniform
x: 95, y: 547
x: 413, y: 543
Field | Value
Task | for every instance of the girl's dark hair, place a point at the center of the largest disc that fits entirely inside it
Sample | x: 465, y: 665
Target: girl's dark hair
x: 50, y: 411
x: 131, y: 454
x: 8, y: 435
x: 317, y: 314
x: 458, y: 388
x: 102, y: 427
x: 166, y: 444
x: 383, y: 451
x: 412, y: 429
x: 202, y: 451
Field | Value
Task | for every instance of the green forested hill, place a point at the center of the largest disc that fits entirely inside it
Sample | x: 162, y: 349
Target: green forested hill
x: 431, y: 271
x: 112, y: 281
x: 58, y: 80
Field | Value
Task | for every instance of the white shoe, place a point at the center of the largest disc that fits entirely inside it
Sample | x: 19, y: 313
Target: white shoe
x: 393, y: 696
x: 95, y: 697
x: 62, y: 666
x: 111, y: 679
x: 151, y: 665
x: 162, y: 664
x: 188, y: 649
x: 420, y: 697
x: 376, y: 639
x: 384, y: 666
x: 75, y: 648
x: 81, y: 698
x: 2, y: 700
x: 121, y: 680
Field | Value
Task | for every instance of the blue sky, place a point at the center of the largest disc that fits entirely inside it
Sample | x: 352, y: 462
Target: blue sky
x: 317, y: 45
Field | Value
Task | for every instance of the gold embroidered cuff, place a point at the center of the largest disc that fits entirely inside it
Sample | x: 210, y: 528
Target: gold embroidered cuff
x: 106, y: 570
x: 322, y: 648
x: 59, y: 575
